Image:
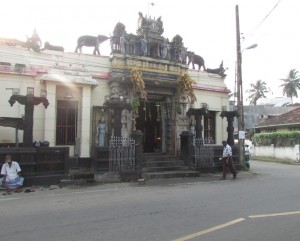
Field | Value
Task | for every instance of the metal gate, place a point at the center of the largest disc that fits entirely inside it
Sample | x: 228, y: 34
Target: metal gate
x: 121, y: 154
x: 204, y: 152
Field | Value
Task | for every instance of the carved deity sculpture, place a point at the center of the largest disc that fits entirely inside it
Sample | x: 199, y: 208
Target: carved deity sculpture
x: 101, y: 131
x: 144, y: 46
x: 117, y: 41
x: 122, y: 45
x: 149, y: 25
x: 34, y: 42
x: 35, y: 38
x: 164, y: 49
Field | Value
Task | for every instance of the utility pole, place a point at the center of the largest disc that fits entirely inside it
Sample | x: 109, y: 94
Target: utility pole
x: 240, y: 105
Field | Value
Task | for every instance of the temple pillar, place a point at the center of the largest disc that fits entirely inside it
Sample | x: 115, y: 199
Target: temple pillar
x: 50, y: 115
x: 198, y: 127
x: 230, y: 128
x: 85, y: 122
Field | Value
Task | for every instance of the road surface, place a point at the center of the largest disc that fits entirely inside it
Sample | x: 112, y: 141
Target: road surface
x: 261, y: 205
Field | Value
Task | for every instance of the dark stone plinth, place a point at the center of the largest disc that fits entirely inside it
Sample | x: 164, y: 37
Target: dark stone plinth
x: 101, y: 159
x: 69, y: 182
x: 187, y: 149
x: 85, y: 174
x: 129, y: 176
x: 138, y: 137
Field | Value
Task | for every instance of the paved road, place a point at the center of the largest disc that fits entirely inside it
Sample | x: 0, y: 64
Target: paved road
x: 261, y: 206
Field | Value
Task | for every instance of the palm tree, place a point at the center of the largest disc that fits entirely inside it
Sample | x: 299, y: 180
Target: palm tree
x: 257, y: 91
x: 291, y: 84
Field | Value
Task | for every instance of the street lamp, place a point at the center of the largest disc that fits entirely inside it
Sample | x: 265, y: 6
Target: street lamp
x: 240, y: 105
x: 252, y: 46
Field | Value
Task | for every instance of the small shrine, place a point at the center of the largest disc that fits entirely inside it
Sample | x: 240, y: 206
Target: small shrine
x: 148, y: 41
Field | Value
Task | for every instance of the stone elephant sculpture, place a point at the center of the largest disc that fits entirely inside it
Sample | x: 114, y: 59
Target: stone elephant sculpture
x: 195, y: 59
x: 90, y: 41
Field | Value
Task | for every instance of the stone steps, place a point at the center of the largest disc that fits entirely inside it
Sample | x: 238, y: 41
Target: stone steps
x: 164, y: 168
x: 159, y: 163
x: 171, y: 174
x: 159, y: 166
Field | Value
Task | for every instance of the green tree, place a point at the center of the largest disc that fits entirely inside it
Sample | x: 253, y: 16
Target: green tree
x: 291, y: 84
x: 257, y: 91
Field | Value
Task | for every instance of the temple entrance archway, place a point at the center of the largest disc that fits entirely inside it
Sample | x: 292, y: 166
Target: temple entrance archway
x: 154, y: 120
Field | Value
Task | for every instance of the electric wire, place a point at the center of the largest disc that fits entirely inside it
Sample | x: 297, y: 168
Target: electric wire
x: 264, y: 19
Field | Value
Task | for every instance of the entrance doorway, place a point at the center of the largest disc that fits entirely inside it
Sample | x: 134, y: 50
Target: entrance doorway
x: 149, y: 121
x: 154, y: 119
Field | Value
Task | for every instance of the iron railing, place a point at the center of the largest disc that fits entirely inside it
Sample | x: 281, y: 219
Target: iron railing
x: 121, y: 154
x: 204, y: 152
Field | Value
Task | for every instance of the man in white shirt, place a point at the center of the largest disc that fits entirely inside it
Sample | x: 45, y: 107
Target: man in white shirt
x: 227, y: 160
x: 11, y: 173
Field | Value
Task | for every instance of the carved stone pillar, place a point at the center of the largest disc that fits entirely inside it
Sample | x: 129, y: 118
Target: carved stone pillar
x: 186, y: 149
x: 117, y: 105
x: 29, y: 101
x: 230, y: 128
x: 198, y: 113
x: 124, y: 123
x: 198, y: 127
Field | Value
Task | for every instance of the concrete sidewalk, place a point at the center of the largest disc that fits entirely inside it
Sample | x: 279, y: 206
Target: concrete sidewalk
x: 102, y: 186
x: 204, y: 178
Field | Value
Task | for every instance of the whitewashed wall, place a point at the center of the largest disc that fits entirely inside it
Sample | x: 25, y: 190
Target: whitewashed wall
x: 277, y: 152
x: 52, y: 70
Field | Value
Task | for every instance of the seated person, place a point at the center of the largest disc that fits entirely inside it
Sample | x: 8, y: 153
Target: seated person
x: 11, y: 179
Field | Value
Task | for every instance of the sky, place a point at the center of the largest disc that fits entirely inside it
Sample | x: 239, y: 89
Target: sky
x: 207, y: 27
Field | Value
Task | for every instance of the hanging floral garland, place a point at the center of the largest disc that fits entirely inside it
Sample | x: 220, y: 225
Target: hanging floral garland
x: 138, y: 86
x: 185, y: 86
x: 138, y: 83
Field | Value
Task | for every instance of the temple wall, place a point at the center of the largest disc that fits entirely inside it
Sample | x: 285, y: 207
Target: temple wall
x: 53, y: 71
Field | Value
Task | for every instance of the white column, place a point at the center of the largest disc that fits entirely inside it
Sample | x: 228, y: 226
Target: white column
x: 221, y: 129
x: 85, y: 122
x: 50, y: 114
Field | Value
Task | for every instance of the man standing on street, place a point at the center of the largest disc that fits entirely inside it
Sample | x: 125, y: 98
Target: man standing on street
x: 11, y: 173
x: 227, y: 160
